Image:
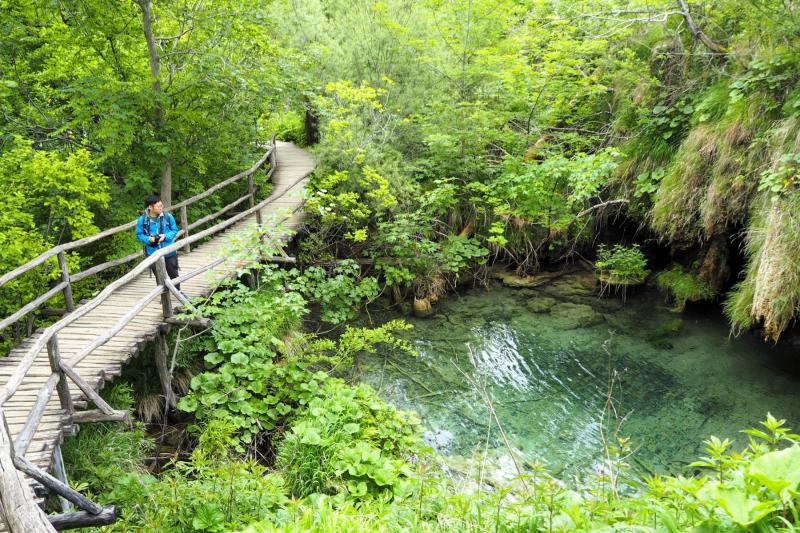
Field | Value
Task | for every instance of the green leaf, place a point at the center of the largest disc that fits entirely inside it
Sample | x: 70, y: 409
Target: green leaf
x: 310, y: 436
x: 743, y: 508
x: 239, y: 358
x: 351, y: 428
x: 779, y: 471
x: 188, y: 404
x: 213, y: 358
x: 208, y: 518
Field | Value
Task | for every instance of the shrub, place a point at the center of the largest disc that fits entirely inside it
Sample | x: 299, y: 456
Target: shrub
x: 621, y: 265
x: 287, y: 126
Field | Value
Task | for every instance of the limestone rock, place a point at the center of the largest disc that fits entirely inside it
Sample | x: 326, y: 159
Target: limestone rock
x: 422, y: 307
x: 540, y: 304
x: 573, y: 316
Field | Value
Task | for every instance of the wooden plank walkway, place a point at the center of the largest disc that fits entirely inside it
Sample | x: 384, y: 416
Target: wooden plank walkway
x: 290, y: 177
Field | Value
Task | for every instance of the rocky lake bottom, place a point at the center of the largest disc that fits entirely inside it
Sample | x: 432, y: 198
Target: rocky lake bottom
x: 548, y: 358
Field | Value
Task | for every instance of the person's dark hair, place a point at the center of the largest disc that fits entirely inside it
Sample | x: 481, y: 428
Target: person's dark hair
x: 151, y: 199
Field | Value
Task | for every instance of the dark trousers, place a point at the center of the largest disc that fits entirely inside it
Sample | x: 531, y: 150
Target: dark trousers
x: 171, y: 262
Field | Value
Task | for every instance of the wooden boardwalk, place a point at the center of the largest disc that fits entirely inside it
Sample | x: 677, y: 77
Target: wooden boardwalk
x: 105, y: 362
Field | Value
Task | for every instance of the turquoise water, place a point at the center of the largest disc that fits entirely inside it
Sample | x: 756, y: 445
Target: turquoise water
x: 543, y: 358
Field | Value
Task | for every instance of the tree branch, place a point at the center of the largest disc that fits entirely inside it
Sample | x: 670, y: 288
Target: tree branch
x: 697, y: 33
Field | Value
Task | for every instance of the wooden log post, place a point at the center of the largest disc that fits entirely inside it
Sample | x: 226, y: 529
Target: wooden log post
x: 63, y: 386
x: 35, y: 415
x: 161, y: 275
x: 62, y: 264
x: 98, y: 415
x: 20, y: 512
x: 185, y: 227
x: 86, y: 389
x: 61, y: 474
x: 56, y: 486
x: 162, y: 352
x: 273, y: 155
x: 84, y: 519
x: 251, y: 190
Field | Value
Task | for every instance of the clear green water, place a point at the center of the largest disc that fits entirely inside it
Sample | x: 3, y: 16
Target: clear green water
x: 544, y: 356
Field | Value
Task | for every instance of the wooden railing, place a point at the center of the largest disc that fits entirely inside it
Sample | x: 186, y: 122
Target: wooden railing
x: 21, y: 512
x: 60, y: 251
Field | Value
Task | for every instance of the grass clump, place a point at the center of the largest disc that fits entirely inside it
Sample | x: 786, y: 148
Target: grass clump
x: 682, y: 287
x: 770, y: 293
x: 102, y: 452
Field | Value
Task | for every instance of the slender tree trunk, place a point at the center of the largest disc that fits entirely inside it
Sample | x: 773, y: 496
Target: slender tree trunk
x: 158, y: 111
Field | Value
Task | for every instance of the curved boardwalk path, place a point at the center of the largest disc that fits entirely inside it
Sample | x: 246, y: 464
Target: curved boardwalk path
x: 105, y: 362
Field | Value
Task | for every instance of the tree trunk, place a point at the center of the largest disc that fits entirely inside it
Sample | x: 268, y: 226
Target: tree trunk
x: 166, y: 183
x: 158, y: 111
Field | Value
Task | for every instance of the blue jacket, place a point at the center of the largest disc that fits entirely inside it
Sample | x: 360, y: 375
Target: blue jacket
x: 145, y: 227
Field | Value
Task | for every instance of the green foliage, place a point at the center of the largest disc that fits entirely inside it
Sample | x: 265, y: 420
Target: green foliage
x: 257, y: 377
x: 683, y: 286
x: 751, y: 490
x: 347, y: 203
x: 49, y: 198
x: 784, y: 178
x: 287, y: 126
x: 621, y: 265
x: 769, y: 295
x: 339, y: 294
x: 348, y: 441
x: 406, y: 249
x: 211, y: 492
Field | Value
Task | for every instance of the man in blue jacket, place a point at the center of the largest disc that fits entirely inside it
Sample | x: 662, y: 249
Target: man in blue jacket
x: 157, y: 229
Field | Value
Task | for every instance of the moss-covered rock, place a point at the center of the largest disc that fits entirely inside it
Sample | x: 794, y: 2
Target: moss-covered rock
x: 540, y: 304
x: 572, y: 316
x: 576, y: 284
x: 510, y: 279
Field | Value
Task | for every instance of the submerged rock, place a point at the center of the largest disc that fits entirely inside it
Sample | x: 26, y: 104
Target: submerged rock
x: 572, y: 316
x: 576, y: 284
x: 438, y: 439
x: 541, y: 304
x: 510, y: 279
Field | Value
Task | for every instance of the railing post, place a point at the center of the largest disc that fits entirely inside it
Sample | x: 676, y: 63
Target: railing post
x: 61, y: 474
x: 162, y: 350
x: 251, y: 190
x: 63, y: 386
x: 185, y: 226
x: 62, y: 264
x: 19, y: 508
x: 161, y: 275
x: 273, y: 156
